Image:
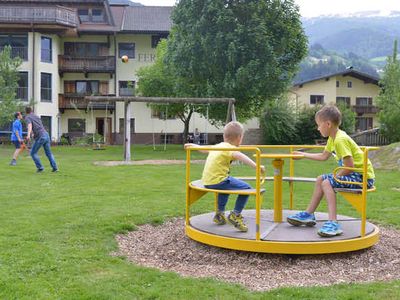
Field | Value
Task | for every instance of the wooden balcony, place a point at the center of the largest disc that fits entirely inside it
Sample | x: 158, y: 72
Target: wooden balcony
x: 365, y: 109
x: 96, y: 64
x: 56, y: 15
x: 78, y: 101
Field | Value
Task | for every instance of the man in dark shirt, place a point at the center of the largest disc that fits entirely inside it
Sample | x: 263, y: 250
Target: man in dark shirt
x: 41, y: 137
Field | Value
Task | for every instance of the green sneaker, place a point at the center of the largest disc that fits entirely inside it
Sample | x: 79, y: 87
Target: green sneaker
x: 237, y: 221
x: 220, y: 218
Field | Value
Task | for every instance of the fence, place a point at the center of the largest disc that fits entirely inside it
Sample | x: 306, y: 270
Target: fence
x: 371, y: 137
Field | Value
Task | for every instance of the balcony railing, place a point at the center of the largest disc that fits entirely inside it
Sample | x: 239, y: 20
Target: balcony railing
x: 96, y: 64
x: 365, y: 109
x: 126, y: 91
x: 78, y: 101
x: 43, y: 15
x: 22, y: 52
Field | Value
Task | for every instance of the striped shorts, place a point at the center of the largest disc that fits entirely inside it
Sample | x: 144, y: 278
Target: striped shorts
x: 352, y: 177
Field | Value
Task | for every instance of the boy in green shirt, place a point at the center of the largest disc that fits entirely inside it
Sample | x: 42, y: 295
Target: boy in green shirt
x: 347, y: 154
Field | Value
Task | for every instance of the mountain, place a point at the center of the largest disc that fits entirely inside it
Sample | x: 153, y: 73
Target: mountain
x: 366, y: 34
x: 321, y: 62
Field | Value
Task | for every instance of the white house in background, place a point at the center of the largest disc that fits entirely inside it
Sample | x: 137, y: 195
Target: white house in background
x: 72, y: 48
x: 358, y: 90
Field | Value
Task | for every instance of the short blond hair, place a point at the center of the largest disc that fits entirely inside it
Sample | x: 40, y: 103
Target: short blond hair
x: 233, y: 130
x: 330, y: 113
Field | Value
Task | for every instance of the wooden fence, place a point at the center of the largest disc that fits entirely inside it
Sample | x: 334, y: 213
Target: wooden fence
x: 371, y: 137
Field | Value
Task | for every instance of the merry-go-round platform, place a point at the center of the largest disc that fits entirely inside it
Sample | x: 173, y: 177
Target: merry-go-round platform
x: 281, y: 237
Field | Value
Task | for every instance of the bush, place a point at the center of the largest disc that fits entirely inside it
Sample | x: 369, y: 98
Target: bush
x: 278, y: 123
x: 306, y: 129
x: 88, y: 139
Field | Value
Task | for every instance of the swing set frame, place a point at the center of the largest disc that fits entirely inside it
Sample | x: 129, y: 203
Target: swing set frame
x: 127, y: 100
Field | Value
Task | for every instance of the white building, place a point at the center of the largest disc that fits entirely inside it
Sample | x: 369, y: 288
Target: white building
x: 71, y: 49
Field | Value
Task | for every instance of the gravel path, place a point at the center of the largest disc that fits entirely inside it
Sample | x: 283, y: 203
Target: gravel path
x: 167, y: 248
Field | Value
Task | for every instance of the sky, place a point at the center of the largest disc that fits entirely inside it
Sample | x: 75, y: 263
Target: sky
x: 313, y: 8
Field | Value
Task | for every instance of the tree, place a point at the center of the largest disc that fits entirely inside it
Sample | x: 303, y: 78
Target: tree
x: 248, y: 50
x: 389, y: 98
x: 348, y: 118
x: 9, y: 77
x: 160, y: 80
x: 278, y: 123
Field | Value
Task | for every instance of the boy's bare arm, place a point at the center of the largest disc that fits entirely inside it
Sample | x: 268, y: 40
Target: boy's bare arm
x: 347, y: 162
x: 246, y: 160
x: 315, y: 156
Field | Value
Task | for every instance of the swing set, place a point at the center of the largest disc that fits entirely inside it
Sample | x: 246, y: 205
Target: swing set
x: 127, y: 100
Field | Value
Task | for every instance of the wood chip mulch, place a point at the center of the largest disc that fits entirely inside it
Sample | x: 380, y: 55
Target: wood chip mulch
x: 166, y: 247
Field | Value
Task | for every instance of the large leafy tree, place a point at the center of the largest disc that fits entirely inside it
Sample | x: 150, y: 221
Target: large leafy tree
x: 160, y: 80
x: 8, y: 85
x: 389, y: 99
x: 246, y: 49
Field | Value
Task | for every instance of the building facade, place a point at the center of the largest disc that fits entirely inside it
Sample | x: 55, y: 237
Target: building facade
x: 71, y: 49
x: 355, y: 89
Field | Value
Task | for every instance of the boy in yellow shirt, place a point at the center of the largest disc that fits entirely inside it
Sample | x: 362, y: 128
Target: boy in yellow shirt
x: 216, y: 175
x: 347, y: 154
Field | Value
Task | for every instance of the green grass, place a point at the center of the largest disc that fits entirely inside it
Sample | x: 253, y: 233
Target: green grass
x: 57, y: 230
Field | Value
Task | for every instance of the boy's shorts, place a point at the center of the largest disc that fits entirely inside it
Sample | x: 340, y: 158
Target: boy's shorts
x: 17, y: 144
x: 353, y: 177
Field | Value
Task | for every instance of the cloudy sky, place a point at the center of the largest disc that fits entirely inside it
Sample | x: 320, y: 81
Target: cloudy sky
x: 312, y: 8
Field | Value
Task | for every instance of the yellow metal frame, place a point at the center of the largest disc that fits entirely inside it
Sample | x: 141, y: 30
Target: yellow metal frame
x: 332, y: 246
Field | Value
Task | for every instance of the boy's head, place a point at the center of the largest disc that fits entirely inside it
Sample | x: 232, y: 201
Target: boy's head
x: 17, y: 115
x: 28, y: 110
x: 233, y: 133
x: 330, y: 113
x: 328, y: 118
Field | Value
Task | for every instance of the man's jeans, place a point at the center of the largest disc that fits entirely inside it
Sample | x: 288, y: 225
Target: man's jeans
x: 44, y: 141
x: 231, y: 183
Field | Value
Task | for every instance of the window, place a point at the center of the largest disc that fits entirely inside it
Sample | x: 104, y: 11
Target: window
x: 316, y: 99
x: 85, y: 49
x: 46, y: 120
x: 167, y: 138
x: 18, y: 43
x: 126, y: 49
x: 337, y: 83
x: 22, y: 89
x: 97, y: 15
x: 122, y: 124
x: 363, y: 123
x: 364, y: 101
x: 83, y: 15
x: 160, y: 114
x: 344, y: 100
x: 76, y: 125
x: 91, y: 15
x: 45, y: 87
x: 87, y: 87
x: 127, y: 88
x: 349, y: 84
x: 45, y: 51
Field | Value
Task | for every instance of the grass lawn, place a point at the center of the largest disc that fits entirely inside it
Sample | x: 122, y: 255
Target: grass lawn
x: 57, y: 230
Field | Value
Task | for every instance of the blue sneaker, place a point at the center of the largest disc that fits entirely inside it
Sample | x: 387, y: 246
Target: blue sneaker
x: 330, y: 229
x: 302, y: 218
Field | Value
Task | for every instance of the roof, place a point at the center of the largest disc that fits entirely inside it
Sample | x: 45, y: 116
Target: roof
x: 367, y: 78
x: 147, y: 19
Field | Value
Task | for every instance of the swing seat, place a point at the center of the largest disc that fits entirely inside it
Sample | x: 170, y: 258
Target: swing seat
x: 198, y: 190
